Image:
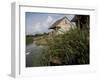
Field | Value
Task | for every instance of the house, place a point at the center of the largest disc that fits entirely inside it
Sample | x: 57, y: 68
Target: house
x: 82, y: 21
x: 60, y: 26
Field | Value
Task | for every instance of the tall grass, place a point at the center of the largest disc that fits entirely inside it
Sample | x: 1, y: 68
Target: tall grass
x: 69, y: 48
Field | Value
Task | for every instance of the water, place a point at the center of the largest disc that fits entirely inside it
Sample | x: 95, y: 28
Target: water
x: 32, y: 55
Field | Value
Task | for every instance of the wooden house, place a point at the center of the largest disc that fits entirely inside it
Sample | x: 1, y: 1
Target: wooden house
x: 60, y: 26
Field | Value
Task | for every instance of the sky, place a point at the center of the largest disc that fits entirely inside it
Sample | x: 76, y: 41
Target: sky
x: 37, y: 23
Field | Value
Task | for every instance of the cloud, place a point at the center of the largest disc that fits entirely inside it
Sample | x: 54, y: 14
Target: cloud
x: 37, y: 28
x: 41, y: 27
x: 49, y: 20
x: 47, y: 23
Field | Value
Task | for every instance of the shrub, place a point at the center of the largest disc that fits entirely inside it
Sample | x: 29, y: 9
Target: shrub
x: 69, y: 48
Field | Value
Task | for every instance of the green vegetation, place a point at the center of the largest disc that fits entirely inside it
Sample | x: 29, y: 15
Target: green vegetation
x: 29, y: 40
x: 67, y: 49
x: 38, y: 39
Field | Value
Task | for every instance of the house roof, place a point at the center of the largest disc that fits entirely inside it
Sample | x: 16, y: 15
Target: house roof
x: 57, y: 22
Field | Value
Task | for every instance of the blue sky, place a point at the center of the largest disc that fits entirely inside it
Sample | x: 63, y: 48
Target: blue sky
x: 40, y: 22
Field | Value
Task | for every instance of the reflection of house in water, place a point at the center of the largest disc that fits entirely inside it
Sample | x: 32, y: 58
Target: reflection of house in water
x: 62, y: 25
x: 82, y: 21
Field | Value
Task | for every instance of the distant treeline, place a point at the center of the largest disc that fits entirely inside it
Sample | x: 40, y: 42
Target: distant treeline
x: 36, y: 35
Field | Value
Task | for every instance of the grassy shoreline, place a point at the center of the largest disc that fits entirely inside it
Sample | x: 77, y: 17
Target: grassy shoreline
x: 38, y: 40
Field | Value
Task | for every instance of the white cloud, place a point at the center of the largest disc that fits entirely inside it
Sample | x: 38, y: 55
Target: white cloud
x: 49, y: 19
x: 47, y: 22
x: 36, y: 28
x: 42, y: 27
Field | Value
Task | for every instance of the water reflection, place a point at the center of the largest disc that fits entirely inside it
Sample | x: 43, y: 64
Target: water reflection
x: 32, y: 54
